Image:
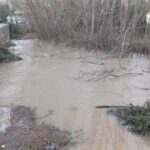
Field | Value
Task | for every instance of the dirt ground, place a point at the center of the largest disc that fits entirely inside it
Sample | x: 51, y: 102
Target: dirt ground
x: 24, y: 133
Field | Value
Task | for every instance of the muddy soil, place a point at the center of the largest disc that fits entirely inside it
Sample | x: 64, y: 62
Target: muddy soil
x: 23, y: 133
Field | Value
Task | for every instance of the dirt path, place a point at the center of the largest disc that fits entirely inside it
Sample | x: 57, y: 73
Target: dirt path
x: 70, y: 83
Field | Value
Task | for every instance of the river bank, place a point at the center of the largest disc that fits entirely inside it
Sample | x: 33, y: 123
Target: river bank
x: 20, y: 124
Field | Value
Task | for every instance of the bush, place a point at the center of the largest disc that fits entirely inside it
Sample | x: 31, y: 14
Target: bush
x: 6, y: 55
x: 141, y: 45
x: 17, y: 30
x: 137, y: 118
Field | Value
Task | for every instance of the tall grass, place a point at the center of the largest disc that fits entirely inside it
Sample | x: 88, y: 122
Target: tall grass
x: 110, y: 25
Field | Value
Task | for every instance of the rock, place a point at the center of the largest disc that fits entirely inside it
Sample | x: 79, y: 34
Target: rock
x: 51, y: 146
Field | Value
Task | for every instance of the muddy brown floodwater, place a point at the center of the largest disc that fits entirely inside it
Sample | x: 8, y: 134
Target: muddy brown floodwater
x: 71, y: 82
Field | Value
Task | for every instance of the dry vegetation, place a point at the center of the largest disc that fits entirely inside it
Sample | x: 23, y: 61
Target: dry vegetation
x: 111, y: 25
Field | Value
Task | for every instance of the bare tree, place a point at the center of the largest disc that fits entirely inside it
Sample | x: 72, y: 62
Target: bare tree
x: 110, y: 25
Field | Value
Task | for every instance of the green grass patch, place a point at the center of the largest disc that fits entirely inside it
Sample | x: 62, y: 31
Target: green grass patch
x: 6, y: 55
x: 136, y: 118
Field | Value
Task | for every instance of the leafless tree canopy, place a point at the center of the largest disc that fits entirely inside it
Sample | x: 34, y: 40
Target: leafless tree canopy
x: 113, y: 25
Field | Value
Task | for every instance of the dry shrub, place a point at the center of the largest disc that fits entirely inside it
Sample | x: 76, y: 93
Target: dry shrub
x: 141, y: 45
x: 102, y: 24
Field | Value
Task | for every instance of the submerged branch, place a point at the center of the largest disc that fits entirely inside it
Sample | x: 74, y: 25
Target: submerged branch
x: 106, y: 106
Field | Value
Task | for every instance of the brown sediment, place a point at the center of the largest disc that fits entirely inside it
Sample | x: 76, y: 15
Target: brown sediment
x: 24, y: 133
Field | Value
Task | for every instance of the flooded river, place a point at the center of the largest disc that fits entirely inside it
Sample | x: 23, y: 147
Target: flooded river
x: 70, y: 82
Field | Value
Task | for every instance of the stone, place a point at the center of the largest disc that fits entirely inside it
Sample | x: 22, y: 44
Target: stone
x: 51, y: 146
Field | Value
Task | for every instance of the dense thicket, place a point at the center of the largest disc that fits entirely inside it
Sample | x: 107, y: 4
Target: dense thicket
x: 112, y: 25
